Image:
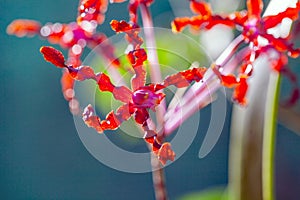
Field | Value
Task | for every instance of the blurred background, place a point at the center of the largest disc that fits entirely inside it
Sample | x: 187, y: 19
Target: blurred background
x: 41, y: 155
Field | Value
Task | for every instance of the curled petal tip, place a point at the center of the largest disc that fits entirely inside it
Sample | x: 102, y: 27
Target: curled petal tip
x: 166, y: 153
x: 53, y: 56
x: 255, y: 7
x: 91, y: 119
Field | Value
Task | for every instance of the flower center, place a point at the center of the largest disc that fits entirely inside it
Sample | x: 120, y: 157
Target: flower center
x: 252, y: 28
x: 145, y: 98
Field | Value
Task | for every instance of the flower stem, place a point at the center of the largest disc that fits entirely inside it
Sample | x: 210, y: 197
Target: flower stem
x: 252, y: 142
x: 229, y: 51
x: 158, y: 177
x: 155, y: 74
x: 269, y: 136
x: 246, y: 139
x: 150, y: 44
x: 200, y: 93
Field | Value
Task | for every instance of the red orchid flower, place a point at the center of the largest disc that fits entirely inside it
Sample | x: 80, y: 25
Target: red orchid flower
x: 136, y: 101
x: 253, y: 27
x: 74, y: 37
x: 249, y: 21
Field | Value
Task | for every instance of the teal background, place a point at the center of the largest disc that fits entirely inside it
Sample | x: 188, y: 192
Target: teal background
x: 41, y: 155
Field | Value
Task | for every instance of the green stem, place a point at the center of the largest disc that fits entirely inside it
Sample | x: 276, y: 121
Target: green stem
x: 269, y: 137
x: 247, y: 126
x: 252, y: 143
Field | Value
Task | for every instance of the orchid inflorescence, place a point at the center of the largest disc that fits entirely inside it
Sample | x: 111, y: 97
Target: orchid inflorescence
x: 142, y: 97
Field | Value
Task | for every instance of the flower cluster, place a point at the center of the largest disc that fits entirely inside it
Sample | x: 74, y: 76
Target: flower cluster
x: 140, y: 97
x: 136, y: 102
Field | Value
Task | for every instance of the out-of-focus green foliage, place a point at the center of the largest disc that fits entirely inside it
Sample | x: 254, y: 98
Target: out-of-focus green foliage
x: 211, y: 194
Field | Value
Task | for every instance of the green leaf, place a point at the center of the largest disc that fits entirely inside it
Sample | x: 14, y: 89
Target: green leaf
x: 210, y: 194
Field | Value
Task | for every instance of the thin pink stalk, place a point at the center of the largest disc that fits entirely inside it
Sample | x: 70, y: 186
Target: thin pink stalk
x: 180, y: 92
x: 201, y: 96
x: 150, y: 44
x: 158, y: 176
x: 200, y: 93
x: 155, y: 72
x: 116, y: 75
x: 229, y: 51
x: 237, y: 59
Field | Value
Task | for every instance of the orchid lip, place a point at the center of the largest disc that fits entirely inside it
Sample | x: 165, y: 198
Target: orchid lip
x: 144, y: 98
